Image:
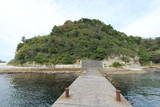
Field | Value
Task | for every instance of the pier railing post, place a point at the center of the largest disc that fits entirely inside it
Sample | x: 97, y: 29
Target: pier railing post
x: 118, y: 95
x: 66, y: 92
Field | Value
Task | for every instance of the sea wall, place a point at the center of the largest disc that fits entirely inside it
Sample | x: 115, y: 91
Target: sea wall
x: 68, y: 66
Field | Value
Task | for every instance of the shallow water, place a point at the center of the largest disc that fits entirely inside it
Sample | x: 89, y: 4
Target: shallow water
x: 141, y: 90
x: 32, y: 90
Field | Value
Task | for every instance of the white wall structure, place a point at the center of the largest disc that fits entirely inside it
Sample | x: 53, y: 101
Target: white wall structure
x: 68, y: 66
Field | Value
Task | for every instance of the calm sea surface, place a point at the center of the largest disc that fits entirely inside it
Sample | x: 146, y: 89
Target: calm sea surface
x: 32, y: 90
x: 41, y: 90
x: 142, y: 90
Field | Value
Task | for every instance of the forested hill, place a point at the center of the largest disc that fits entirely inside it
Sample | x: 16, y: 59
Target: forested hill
x: 82, y: 39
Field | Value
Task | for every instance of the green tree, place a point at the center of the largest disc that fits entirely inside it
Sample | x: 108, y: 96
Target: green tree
x: 23, y: 39
x: 83, y: 39
x: 144, y: 56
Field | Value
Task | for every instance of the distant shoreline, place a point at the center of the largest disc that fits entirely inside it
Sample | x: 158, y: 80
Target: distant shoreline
x: 5, y: 69
x: 41, y: 70
x: 125, y: 72
x: 130, y: 71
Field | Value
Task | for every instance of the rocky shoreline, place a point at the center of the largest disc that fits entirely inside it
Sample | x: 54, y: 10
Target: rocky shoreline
x: 77, y: 71
x: 74, y: 71
x: 152, y: 68
x: 130, y: 70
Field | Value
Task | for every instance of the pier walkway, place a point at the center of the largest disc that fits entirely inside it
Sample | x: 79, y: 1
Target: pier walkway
x: 91, y: 89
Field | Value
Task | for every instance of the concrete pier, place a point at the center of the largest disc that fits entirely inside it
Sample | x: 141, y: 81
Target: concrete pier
x: 91, y: 89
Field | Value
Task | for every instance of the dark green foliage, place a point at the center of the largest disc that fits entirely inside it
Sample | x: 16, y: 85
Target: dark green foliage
x: 116, y: 64
x: 155, y: 58
x: 56, y: 30
x: 23, y: 39
x: 144, y: 56
x: 83, y: 39
x: 152, y: 47
x: 125, y: 59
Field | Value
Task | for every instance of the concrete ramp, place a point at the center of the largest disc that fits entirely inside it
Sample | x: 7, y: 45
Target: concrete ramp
x: 91, y: 89
x: 91, y: 64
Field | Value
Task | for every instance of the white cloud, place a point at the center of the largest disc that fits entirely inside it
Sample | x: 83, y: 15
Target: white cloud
x: 28, y: 18
x: 37, y: 17
x: 25, y: 18
x: 147, y: 26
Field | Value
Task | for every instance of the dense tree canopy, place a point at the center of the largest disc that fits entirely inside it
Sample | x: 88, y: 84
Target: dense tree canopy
x: 83, y: 39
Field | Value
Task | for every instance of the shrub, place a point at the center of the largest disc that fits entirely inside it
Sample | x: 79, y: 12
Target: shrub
x: 155, y: 58
x: 116, y: 64
x: 144, y: 56
x: 125, y: 59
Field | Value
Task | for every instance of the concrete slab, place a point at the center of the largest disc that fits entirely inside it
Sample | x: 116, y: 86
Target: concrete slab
x: 91, y: 89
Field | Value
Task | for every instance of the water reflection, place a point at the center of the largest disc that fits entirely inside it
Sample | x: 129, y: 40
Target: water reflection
x: 142, y: 90
x: 32, y: 90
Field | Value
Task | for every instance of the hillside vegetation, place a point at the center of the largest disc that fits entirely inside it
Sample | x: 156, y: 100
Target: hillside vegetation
x: 84, y: 39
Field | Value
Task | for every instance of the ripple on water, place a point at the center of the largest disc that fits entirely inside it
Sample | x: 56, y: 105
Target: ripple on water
x: 141, y: 90
x: 32, y: 90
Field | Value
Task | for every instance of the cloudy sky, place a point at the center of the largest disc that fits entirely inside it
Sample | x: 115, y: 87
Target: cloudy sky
x: 30, y: 18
